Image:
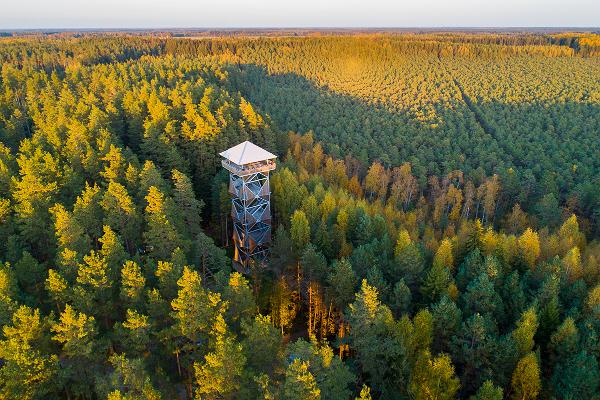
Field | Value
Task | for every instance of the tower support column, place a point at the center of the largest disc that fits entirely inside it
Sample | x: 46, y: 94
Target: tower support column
x: 251, y: 215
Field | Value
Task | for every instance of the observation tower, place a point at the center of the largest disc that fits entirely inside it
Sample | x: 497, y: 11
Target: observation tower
x: 249, y: 167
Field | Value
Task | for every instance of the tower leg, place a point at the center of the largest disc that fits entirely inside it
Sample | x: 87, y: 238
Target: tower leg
x: 251, y: 214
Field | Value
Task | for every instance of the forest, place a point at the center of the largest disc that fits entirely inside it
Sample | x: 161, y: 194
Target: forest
x: 436, y: 217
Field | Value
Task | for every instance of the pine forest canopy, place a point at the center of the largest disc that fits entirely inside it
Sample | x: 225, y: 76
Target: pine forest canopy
x: 436, y: 216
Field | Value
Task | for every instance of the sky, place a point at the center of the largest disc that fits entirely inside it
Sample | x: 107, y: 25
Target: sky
x: 29, y: 14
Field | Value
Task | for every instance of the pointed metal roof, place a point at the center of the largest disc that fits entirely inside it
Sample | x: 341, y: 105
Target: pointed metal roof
x: 247, y: 153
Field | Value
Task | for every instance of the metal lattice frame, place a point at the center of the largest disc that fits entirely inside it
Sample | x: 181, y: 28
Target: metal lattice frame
x: 251, y: 214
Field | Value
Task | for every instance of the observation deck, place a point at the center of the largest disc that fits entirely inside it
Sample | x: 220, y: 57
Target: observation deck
x: 247, y: 158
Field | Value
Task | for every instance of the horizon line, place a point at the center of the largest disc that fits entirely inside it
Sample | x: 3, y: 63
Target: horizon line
x: 317, y: 28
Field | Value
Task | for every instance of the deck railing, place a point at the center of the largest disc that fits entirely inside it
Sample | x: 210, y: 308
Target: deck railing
x: 248, y: 169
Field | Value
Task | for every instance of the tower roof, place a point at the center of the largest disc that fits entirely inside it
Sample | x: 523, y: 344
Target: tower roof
x: 247, y: 153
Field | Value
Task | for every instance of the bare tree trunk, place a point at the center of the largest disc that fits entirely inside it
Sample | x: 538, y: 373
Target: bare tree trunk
x: 408, y: 200
x: 226, y: 231
x: 178, y: 363
x: 189, y: 386
x: 310, y: 317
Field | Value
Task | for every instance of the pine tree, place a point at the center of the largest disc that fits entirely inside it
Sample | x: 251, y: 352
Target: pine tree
x: 529, y: 247
x: 332, y: 376
x: 7, y: 167
x: 76, y: 332
x: 593, y: 301
x: 513, y: 297
x: 488, y: 391
x: 517, y: 221
x: 219, y: 376
x: 283, y: 307
x: 112, y: 251
x: 548, y: 210
x: 372, y: 338
x: 93, y: 290
x: 151, y: 176
x: 401, y: 298
x: 128, y: 381
x: 6, y: 222
x: 402, y: 242
x: 433, y: 378
x: 481, y: 297
x: 88, y: 211
x: 474, y: 349
x: 186, y: 202
x: 525, y: 331
x: 135, y: 332
x: 323, y: 240
x: 549, y: 320
x: 342, y: 280
x: 564, y: 342
x: 33, y: 193
x: 526, y: 382
x: 262, y: 344
x: 365, y: 393
x: 114, y: 168
x: 361, y: 228
x: 475, y: 236
x: 29, y: 273
x: 569, y: 233
x: 58, y: 288
x: 313, y: 264
x: 120, y: 213
x: 69, y: 233
x: 577, y: 377
x: 310, y: 207
x: 443, y: 256
x: 287, y: 193
x: 195, y: 309
x: 446, y: 324
x: 265, y: 389
x: 409, y: 264
x: 423, y: 333
x: 209, y: 257
x: 28, y: 370
x: 299, y: 231
x: 168, y: 274
x: 299, y: 383
x: 161, y: 236
x: 470, y: 268
x: 8, y: 292
x: 132, y: 283
x: 375, y: 277
x: 253, y: 119
x: 157, y: 307
x: 240, y: 299
x: 436, y: 283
